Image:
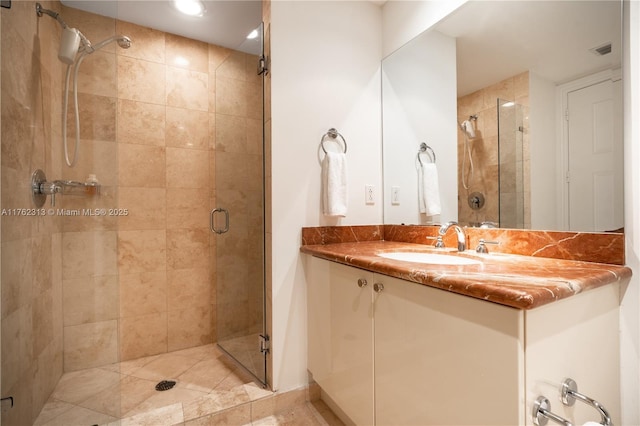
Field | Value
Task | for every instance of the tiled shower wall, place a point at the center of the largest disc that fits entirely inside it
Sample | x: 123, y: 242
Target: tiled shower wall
x: 153, y: 116
x: 484, y: 148
x: 31, y: 245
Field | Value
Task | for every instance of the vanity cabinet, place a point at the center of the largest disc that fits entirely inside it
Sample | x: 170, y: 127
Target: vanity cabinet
x: 416, y: 355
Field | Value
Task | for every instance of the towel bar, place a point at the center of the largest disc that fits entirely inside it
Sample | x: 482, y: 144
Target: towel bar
x: 333, y: 134
x: 569, y: 393
x: 541, y: 413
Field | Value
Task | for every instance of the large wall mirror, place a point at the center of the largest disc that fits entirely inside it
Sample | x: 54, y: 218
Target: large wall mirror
x: 517, y: 107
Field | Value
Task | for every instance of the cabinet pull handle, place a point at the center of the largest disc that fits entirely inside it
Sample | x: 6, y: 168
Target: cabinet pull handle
x: 378, y: 287
x: 362, y: 282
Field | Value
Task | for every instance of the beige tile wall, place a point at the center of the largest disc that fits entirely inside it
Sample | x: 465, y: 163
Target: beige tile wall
x: 156, y: 115
x: 484, y: 147
x: 31, y: 313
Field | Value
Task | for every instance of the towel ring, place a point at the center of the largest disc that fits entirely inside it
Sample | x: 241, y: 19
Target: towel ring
x: 424, y: 148
x: 333, y: 134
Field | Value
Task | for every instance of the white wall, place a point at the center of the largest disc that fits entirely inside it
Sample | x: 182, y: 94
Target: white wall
x: 544, y: 154
x: 419, y: 92
x: 630, y: 312
x: 325, y: 72
x: 402, y: 20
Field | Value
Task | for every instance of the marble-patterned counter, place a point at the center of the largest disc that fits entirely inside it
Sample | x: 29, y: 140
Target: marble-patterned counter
x: 518, y: 281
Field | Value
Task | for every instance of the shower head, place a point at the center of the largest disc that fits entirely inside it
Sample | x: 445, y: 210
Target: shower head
x: 69, y: 44
x: 467, y: 127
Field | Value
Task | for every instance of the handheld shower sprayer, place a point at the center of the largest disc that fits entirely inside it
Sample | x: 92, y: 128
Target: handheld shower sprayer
x: 74, y: 48
x: 469, y: 131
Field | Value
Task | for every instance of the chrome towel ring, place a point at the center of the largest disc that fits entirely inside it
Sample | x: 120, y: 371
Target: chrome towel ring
x: 333, y: 134
x: 424, y: 148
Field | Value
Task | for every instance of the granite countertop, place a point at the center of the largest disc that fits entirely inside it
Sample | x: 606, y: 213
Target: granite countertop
x: 521, y: 282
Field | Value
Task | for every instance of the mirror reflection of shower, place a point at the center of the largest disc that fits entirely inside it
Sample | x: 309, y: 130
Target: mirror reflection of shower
x: 74, y: 48
x: 468, y: 129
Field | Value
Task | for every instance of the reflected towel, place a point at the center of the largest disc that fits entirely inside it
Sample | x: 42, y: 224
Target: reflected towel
x: 334, y: 184
x: 428, y: 192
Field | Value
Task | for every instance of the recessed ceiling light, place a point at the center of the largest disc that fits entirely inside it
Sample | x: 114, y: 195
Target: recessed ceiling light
x: 189, y: 7
x: 253, y: 34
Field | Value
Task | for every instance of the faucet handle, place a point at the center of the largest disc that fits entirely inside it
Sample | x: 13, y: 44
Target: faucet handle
x: 482, y: 248
x: 439, y: 243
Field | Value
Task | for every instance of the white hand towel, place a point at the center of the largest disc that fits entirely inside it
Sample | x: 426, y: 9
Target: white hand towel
x: 334, y: 184
x: 428, y: 192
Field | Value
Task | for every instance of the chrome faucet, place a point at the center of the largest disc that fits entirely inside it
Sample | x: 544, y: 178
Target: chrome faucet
x: 462, y: 239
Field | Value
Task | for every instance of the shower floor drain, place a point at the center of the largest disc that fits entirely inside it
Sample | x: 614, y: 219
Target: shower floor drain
x: 165, y: 385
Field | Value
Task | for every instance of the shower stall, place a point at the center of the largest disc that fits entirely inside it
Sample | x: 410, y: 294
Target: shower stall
x: 109, y: 263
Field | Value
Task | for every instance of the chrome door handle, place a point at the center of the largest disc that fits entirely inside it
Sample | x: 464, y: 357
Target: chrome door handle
x: 212, y: 225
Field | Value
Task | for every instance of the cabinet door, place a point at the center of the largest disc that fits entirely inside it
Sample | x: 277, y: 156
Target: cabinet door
x: 341, y: 337
x: 445, y: 359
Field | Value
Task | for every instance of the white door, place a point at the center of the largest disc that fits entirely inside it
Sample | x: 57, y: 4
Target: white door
x: 595, y: 173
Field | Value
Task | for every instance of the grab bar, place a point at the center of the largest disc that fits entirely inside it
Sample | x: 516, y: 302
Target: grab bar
x: 541, y: 413
x: 569, y: 393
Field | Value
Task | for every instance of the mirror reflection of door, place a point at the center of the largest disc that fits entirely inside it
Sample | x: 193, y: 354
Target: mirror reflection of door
x: 595, y: 160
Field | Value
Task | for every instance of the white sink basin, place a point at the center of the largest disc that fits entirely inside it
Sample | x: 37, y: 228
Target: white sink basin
x: 431, y: 258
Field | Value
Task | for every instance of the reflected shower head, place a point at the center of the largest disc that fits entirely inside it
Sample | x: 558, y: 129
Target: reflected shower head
x: 124, y: 42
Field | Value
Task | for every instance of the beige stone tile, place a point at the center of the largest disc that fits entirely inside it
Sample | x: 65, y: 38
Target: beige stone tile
x: 290, y: 399
x: 143, y: 293
x: 140, y: 80
x: 205, y: 375
x: 78, y: 386
x: 231, y: 134
x: 187, y: 208
x: 90, y: 345
x: 212, y: 92
x: 188, y: 288
x: 17, y: 275
x: 521, y: 85
x: 89, y: 253
x: 187, y: 89
x: 95, y: 157
x: 502, y: 90
x: 143, y: 336
x: 187, y: 53
x: 97, y: 75
x: 141, y: 251
x: 187, y: 128
x: 188, y: 327
x: 262, y: 408
x: 231, y: 96
x: 199, y: 353
x: 95, y: 27
x: 187, y: 168
x: 217, y: 401
x: 16, y: 358
x: 239, y: 415
x: 256, y: 392
x: 90, y: 299
x: 187, y: 249
x: 164, y: 367
x: 234, y: 66
x: 217, y: 56
x: 121, y: 397
x: 141, y: 166
x: 146, y: 43
x: 97, y: 119
x: 165, y: 415
x: 212, y: 129
x: 80, y: 416
x: 146, y: 208
x: 141, y: 123
x: 52, y: 409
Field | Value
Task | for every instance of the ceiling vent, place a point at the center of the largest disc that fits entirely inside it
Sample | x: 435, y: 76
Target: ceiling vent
x: 601, y: 50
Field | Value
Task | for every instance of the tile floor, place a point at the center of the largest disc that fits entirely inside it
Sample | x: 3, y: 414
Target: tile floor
x: 210, y: 389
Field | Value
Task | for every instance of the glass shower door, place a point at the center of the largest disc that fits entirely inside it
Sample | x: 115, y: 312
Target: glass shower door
x: 237, y: 216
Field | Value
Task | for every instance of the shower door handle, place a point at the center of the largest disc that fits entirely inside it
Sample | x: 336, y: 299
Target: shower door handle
x: 212, y: 225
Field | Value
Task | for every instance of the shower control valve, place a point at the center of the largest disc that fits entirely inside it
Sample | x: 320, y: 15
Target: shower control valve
x: 40, y: 188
